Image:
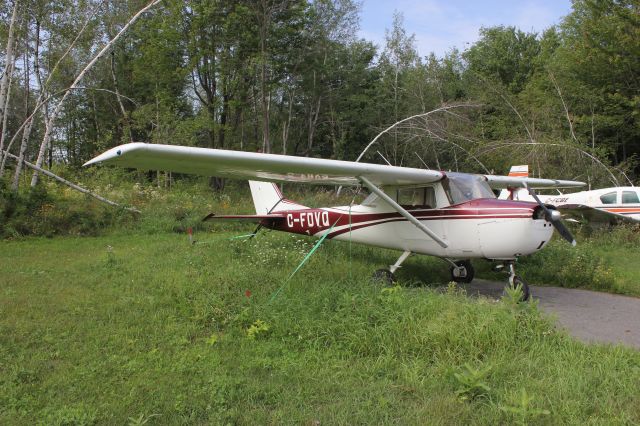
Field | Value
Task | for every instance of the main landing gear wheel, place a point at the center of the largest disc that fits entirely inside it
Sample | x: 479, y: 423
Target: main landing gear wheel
x: 516, y: 281
x: 463, y: 272
x: 384, y: 276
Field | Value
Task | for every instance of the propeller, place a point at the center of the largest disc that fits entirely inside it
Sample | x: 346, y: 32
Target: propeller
x: 554, y: 217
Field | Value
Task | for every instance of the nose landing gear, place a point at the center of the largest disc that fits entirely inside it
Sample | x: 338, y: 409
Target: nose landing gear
x: 515, y: 281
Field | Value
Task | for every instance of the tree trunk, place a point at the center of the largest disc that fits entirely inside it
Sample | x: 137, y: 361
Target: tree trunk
x: 265, y: 93
x: 51, y: 122
x: 27, y: 130
x: 3, y: 132
x: 9, y: 59
x: 125, y: 117
x: 5, y: 82
x: 313, y: 121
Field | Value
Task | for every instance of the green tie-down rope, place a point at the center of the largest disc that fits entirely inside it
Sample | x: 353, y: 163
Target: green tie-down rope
x: 306, y: 258
x: 215, y: 240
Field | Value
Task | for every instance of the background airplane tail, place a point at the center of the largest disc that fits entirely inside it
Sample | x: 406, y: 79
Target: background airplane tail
x: 267, y: 198
x: 516, y: 171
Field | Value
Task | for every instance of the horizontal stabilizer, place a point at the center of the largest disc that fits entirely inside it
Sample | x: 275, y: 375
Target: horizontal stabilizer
x: 254, y: 218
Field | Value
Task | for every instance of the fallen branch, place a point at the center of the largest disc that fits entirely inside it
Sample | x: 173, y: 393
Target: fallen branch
x: 70, y: 184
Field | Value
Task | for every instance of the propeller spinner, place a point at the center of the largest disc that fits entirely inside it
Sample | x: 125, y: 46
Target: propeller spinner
x: 554, y: 217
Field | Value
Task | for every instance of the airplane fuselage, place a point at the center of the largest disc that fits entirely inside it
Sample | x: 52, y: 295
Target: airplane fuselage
x: 480, y: 228
x: 618, y: 200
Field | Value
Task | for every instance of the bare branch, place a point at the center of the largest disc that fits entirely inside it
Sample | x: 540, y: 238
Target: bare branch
x: 49, y: 127
x: 564, y: 105
x: 71, y: 184
x: 425, y: 114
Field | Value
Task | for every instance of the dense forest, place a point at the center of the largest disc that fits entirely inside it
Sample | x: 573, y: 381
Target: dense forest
x: 291, y: 76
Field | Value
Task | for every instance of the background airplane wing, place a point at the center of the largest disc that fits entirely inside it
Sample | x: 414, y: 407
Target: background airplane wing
x: 256, y: 166
x: 503, y: 182
x: 581, y: 213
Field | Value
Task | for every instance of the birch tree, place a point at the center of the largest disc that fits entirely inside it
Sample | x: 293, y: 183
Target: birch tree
x: 5, y: 81
x: 54, y: 115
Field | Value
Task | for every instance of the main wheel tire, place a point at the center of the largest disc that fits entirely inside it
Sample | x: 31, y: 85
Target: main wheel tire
x: 384, y: 276
x: 463, y: 273
x: 526, y: 291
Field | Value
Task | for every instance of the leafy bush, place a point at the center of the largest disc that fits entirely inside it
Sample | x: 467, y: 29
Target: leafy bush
x: 40, y: 212
x: 471, y: 382
x: 567, y: 266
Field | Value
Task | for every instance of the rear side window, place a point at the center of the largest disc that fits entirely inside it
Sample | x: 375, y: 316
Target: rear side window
x: 630, y: 197
x: 417, y: 197
x: 609, y: 198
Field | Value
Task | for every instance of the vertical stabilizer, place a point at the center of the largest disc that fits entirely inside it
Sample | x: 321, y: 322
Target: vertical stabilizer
x: 515, y: 194
x: 267, y: 198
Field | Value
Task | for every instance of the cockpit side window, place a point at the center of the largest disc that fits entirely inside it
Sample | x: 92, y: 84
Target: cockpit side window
x: 461, y: 187
x: 430, y: 197
x: 609, y: 198
x: 630, y: 197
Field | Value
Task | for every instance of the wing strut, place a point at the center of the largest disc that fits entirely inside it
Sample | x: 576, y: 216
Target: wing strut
x: 380, y: 193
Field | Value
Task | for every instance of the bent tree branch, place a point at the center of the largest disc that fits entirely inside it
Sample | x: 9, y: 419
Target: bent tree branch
x: 70, y: 184
x: 49, y: 127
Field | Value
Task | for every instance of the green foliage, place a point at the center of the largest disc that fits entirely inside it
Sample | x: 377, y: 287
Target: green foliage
x: 471, y: 382
x: 566, y: 266
x: 504, y: 54
x: 165, y: 332
x: 523, y: 411
x: 293, y: 78
x: 140, y: 420
x: 512, y: 296
x: 50, y: 210
x: 259, y: 328
x: 74, y: 415
x: 391, y: 295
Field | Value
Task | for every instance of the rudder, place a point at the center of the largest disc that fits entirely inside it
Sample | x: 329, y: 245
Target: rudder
x: 516, y: 171
x: 267, y: 198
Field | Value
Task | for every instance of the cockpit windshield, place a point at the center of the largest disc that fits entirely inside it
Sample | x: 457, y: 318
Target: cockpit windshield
x: 461, y: 187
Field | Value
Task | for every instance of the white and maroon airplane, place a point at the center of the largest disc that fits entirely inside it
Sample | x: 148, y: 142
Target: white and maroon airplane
x: 453, y: 216
x: 620, y: 204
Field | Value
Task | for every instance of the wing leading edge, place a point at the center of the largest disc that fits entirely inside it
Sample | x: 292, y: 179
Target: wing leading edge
x: 257, y: 166
x: 286, y: 168
x: 506, y: 182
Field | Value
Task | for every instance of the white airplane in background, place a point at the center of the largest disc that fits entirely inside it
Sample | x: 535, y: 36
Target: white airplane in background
x: 453, y: 216
x: 600, y: 206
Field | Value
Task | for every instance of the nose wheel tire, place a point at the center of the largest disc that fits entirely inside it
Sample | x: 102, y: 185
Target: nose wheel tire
x: 384, y: 276
x: 516, y: 281
x: 463, y: 272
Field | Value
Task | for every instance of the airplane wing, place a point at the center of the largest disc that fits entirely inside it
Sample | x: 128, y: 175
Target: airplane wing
x: 581, y: 213
x: 504, y: 182
x: 257, y: 166
x: 286, y: 168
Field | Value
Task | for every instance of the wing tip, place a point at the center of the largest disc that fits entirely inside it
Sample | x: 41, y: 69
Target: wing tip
x: 115, y: 152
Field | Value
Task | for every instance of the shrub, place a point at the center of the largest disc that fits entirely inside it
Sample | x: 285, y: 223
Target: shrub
x: 567, y: 266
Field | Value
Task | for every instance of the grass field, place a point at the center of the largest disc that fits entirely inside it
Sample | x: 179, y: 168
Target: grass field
x: 128, y: 328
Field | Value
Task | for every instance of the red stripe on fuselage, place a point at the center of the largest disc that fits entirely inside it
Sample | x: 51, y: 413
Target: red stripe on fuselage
x: 313, y: 221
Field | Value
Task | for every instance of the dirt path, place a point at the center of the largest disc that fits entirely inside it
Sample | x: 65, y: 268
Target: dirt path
x: 588, y: 315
